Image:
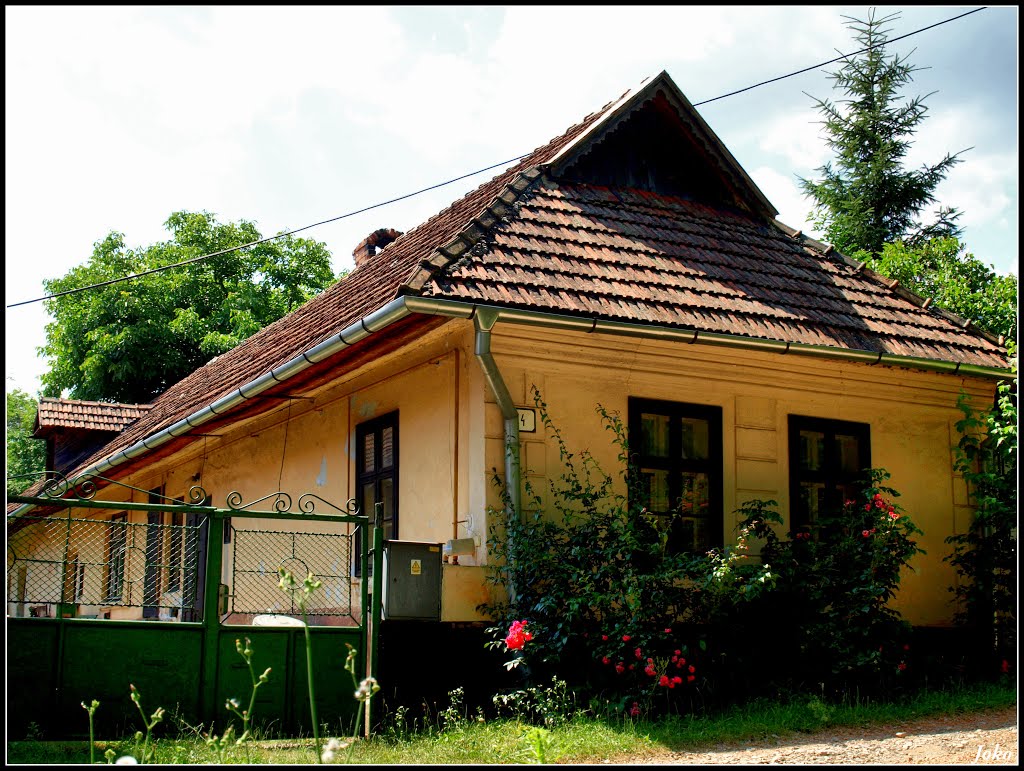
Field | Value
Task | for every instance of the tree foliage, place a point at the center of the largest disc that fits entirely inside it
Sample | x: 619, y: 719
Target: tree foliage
x: 985, y: 554
x: 130, y: 341
x: 867, y: 198
x: 943, y: 269
x: 25, y: 455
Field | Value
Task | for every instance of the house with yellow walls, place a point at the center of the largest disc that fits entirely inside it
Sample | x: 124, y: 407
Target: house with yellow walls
x: 630, y: 262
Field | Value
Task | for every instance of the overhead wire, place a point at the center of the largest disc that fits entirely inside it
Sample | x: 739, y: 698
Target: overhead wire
x: 841, y: 57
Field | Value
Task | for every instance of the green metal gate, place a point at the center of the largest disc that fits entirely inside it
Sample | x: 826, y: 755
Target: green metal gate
x: 181, y: 654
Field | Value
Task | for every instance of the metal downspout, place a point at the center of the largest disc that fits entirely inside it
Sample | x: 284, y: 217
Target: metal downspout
x: 484, y: 321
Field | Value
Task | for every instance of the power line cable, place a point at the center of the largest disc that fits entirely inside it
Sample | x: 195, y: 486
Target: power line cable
x: 464, y: 176
x: 268, y: 238
x: 839, y: 58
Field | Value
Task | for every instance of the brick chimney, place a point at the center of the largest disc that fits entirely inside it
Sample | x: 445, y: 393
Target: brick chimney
x: 373, y: 243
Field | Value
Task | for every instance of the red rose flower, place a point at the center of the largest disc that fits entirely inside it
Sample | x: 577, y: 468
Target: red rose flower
x: 692, y: 669
x: 638, y: 653
x: 620, y: 668
x: 664, y: 681
x: 625, y: 638
x: 690, y: 678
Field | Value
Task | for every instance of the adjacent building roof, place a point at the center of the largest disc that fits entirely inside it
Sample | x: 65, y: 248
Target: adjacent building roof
x: 696, y: 248
x: 89, y: 416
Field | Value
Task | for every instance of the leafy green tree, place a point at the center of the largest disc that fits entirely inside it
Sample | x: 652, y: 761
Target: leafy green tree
x: 131, y: 340
x: 943, y: 269
x: 25, y: 455
x: 867, y: 198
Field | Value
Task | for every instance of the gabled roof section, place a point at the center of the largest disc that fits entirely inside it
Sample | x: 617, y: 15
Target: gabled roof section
x: 539, y: 237
x: 655, y: 139
x: 85, y: 415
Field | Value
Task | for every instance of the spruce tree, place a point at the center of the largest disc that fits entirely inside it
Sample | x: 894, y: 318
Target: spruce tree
x: 867, y: 199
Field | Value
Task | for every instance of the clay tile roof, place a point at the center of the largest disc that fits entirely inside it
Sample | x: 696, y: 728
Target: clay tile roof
x: 95, y: 416
x: 637, y: 256
x: 528, y: 239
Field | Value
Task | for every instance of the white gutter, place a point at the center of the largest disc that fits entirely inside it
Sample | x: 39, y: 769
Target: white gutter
x: 487, y: 317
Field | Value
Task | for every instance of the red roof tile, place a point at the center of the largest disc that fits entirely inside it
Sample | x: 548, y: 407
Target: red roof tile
x: 94, y: 416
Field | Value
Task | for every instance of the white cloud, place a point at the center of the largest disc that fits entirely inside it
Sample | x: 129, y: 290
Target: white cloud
x: 795, y: 136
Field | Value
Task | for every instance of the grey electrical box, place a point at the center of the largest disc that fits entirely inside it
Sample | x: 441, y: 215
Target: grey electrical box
x: 412, y: 581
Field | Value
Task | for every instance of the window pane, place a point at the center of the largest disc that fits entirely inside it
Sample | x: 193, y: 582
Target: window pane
x: 694, y: 500
x: 369, y: 498
x: 848, y: 453
x: 387, y: 448
x: 812, y: 450
x: 694, y: 535
x: 846, y: 493
x: 368, y: 454
x: 654, y: 435
x: 387, y: 488
x: 654, y: 489
x: 812, y: 495
x: 695, y: 439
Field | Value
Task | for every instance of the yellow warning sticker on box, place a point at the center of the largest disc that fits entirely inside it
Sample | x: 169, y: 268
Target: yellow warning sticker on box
x: 415, y: 567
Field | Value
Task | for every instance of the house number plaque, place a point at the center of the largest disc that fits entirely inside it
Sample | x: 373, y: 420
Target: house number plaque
x: 527, y: 419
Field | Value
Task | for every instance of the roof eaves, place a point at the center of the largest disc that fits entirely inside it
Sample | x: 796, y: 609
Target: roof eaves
x: 924, y: 303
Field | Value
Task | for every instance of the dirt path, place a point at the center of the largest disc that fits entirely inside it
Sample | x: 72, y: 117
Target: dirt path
x: 985, y: 738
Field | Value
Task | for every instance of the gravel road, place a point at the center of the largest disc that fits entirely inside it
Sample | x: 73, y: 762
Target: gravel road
x: 983, y: 738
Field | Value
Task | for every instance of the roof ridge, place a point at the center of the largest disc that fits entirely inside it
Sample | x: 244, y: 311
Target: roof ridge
x: 477, y: 229
x: 93, y: 403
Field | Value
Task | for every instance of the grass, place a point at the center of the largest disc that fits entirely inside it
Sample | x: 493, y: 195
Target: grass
x: 579, y: 740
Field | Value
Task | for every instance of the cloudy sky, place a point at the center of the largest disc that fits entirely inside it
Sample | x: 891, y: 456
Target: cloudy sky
x: 286, y: 116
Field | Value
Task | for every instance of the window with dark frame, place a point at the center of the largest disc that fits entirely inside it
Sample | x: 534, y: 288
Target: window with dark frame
x: 117, y: 545
x: 676, y: 457
x: 827, y: 463
x: 377, y: 475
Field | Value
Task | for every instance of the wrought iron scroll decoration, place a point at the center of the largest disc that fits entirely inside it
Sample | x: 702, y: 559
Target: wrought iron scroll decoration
x: 306, y: 504
x: 58, y: 487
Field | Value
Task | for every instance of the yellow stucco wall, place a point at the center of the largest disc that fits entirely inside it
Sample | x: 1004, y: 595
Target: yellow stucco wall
x: 911, y: 415
x: 451, y: 435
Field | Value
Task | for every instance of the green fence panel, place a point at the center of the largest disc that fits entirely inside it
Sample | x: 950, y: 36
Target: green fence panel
x: 187, y: 667
x: 103, y: 659
x: 31, y: 680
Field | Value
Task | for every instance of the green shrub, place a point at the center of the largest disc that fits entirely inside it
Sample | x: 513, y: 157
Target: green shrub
x: 628, y: 622
x: 985, y: 555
